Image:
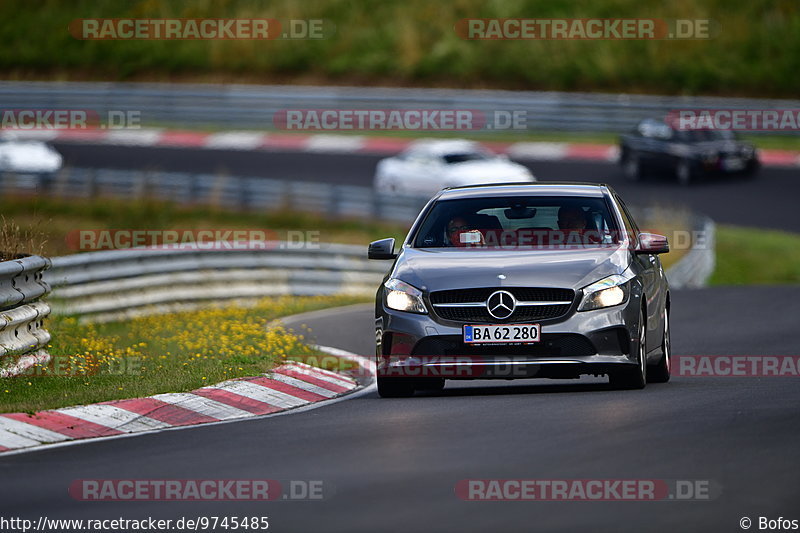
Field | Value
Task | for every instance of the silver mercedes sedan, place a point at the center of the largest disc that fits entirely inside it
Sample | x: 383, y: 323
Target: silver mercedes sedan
x: 543, y: 280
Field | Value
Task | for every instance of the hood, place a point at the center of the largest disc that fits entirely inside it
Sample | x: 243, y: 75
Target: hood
x: 434, y: 269
x: 721, y: 145
x: 492, y: 171
x: 29, y: 156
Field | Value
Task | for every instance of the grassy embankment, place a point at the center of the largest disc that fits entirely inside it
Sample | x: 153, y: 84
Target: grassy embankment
x: 401, y: 42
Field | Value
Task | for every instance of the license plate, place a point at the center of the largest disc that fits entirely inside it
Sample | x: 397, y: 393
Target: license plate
x: 733, y: 163
x: 502, y: 334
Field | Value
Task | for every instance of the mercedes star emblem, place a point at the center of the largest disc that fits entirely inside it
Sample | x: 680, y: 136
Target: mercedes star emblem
x: 501, y: 304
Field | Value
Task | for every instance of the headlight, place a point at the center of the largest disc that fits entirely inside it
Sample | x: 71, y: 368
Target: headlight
x: 401, y: 296
x: 607, y: 292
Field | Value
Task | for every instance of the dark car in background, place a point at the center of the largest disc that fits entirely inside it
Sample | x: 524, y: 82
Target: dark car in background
x: 522, y: 281
x: 654, y: 147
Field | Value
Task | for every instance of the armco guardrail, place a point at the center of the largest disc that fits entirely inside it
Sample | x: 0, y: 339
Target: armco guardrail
x: 118, y: 284
x: 234, y: 192
x: 23, y: 338
x: 695, y: 268
x: 254, y: 106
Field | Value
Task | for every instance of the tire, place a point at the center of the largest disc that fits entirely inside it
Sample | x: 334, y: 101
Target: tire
x: 631, y: 167
x: 660, y: 373
x: 395, y: 387
x: 683, y: 172
x: 430, y: 384
x: 636, y: 377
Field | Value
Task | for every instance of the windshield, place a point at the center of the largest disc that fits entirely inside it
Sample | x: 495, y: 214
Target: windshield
x: 519, y: 222
x: 704, y: 135
x: 462, y: 157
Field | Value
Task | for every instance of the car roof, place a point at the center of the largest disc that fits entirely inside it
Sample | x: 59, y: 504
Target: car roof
x: 561, y: 188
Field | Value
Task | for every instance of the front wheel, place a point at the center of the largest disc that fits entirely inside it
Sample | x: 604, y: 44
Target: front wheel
x: 395, y: 387
x: 631, y: 167
x: 634, y: 377
x: 430, y: 384
x: 660, y: 373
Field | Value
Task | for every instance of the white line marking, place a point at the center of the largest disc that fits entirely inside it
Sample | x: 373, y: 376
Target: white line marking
x: 262, y: 393
x: 235, y: 140
x: 202, y: 405
x: 546, y: 151
x: 334, y: 143
x: 12, y: 440
x: 113, y: 417
x: 300, y: 384
x: 322, y: 377
x: 133, y: 137
x: 29, y: 431
x: 29, y: 135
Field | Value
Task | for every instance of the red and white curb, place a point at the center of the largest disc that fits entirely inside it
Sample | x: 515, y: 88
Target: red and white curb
x: 342, y: 144
x: 289, y: 386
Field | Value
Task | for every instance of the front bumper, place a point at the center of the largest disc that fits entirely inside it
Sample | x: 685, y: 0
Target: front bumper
x: 589, y: 342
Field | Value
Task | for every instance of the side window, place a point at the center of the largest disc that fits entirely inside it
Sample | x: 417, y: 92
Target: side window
x: 627, y: 219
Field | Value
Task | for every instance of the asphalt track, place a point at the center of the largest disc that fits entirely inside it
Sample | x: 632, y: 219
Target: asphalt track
x: 392, y: 465
x: 770, y: 201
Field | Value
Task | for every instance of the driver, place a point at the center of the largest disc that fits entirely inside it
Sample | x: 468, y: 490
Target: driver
x: 572, y: 222
x: 571, y: 218
x: 460, y: 233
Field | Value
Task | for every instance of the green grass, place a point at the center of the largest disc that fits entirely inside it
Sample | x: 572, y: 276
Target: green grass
x: 168, y: 353
x: 748, y: 256
x: 413, y: 42
x: 53, y: 220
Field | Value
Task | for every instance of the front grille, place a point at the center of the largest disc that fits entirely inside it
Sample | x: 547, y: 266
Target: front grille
x: 551, y: 345
x: 521, y: 313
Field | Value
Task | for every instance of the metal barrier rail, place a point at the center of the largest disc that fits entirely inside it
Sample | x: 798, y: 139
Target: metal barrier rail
x: 119, y: 284
x: 23, y: 337
x: 695, y: 268
x: 254, y: 106
x: 234, y: 192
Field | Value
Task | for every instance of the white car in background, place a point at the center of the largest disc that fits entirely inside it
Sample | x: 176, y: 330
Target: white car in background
x: 28, y: 156
x: 427, y: 166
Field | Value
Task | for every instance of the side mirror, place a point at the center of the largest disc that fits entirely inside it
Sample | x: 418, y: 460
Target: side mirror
x: 652, y: 243
x: 382, y: 249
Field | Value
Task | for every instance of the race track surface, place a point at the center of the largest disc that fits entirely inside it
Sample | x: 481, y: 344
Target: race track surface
x: 392, y: 465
